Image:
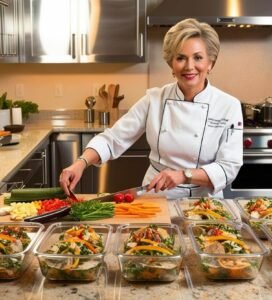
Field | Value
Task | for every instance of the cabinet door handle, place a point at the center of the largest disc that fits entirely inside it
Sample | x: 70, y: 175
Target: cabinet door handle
x: 141, y: 45
x: 84, y: 44
x: 44, y: 162
x: 73, y: 45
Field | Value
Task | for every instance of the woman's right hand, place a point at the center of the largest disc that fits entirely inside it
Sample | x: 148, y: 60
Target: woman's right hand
x: 71, y: 175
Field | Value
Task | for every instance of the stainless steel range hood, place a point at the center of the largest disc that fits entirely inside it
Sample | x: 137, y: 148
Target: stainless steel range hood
x: 215, y: 12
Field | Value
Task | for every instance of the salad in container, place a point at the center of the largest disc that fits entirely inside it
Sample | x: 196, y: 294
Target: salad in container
x: 16, y: 245
x: 193, y: 209
x: 227, y: 250
x: 73, y: 250
x: 255, y: 211
x: 150, y: 252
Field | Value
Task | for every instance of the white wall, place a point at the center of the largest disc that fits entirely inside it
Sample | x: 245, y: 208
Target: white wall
x: 244, y: 69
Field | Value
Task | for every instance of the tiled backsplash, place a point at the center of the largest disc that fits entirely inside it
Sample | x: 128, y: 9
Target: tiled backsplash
x: 77, y: 114
x: 62, y: 114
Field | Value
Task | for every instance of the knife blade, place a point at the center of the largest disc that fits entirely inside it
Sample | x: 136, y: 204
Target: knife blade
x: 135, y: 191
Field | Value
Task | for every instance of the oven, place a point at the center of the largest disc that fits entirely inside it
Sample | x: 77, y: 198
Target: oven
x: 254, y: 177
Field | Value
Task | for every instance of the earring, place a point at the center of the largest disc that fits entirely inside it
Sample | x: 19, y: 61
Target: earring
x: 208, y: 72
x: 173, y: 74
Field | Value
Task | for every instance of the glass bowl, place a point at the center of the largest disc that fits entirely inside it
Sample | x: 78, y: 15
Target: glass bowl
x: 255, y: 211
x: 14, y: 264
x: 69, y: 266
x: 192, y: 209
x: 221, y: 256
x: 153, y: 264
x: 267, y: 229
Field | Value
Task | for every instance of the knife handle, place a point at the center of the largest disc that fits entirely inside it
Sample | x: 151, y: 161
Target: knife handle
x: 46, y: 217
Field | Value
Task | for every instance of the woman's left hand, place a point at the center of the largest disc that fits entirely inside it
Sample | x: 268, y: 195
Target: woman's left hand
x: 166, y: 180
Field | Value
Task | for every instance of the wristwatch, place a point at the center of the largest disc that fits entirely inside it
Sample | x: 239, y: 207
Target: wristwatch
x: 188, y: 175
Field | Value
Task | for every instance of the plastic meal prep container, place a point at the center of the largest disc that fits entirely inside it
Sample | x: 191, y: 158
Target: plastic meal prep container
x: 217, y: 265
x: 70, y: 266
x: 254, y: 220
x: 146, y: 267
x: 187, y: 204
x: 12, y: 266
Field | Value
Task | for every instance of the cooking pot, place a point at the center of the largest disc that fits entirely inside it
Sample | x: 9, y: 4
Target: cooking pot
x: 248, y: 111
x: 263, y: 112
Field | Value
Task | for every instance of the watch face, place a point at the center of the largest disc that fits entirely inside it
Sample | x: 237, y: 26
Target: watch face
x: 188, y: 174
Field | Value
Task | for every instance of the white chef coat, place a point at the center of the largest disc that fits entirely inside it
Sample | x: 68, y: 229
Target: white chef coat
x: 206, y: 133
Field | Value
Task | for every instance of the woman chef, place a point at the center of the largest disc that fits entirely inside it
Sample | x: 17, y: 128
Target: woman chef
x: 194, y: 129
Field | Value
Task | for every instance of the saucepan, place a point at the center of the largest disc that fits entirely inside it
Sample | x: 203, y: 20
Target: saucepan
x: 263, y: 112
x: 248, y: 111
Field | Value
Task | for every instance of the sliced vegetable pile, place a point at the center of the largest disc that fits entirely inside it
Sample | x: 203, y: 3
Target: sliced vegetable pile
x: 151, y: 240
x: 26, y: 203
x: 207, y: 208
x: 35, y: 201
x: 137, y: 210
x: 92, y: 210
x: 259, y: 208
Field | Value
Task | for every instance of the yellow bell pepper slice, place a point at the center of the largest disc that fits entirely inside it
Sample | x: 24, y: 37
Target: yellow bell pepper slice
x: 149, y: 242
x: 227, y: 238
x: 207, y: 212
x: 75, y: 264
x: 149, y: 248
x: 2, y: 246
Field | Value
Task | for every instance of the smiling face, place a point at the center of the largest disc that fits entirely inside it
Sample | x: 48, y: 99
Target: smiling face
x: 190, y: 66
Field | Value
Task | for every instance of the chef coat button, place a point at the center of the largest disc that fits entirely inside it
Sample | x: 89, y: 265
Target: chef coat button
x: 195, y: 135
x: 163, y: 130
x: 203, y: 106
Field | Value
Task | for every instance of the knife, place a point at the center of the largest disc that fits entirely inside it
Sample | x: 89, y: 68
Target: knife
x: 136, y: 192
x: 64, y: 211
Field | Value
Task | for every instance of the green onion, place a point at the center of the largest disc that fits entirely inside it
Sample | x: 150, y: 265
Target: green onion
x: 92, y: 210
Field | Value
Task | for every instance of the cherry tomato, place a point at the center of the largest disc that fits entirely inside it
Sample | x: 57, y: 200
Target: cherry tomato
x: 119, y: 197
x: 129, y: 197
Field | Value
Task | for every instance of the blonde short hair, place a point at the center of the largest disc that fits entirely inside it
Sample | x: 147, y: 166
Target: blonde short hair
x: 186, y: 29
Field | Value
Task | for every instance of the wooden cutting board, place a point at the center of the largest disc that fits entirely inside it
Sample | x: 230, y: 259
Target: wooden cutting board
x: 161, y: 217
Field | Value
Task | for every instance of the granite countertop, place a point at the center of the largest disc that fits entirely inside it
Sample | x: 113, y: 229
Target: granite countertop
x: 190, y: 284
